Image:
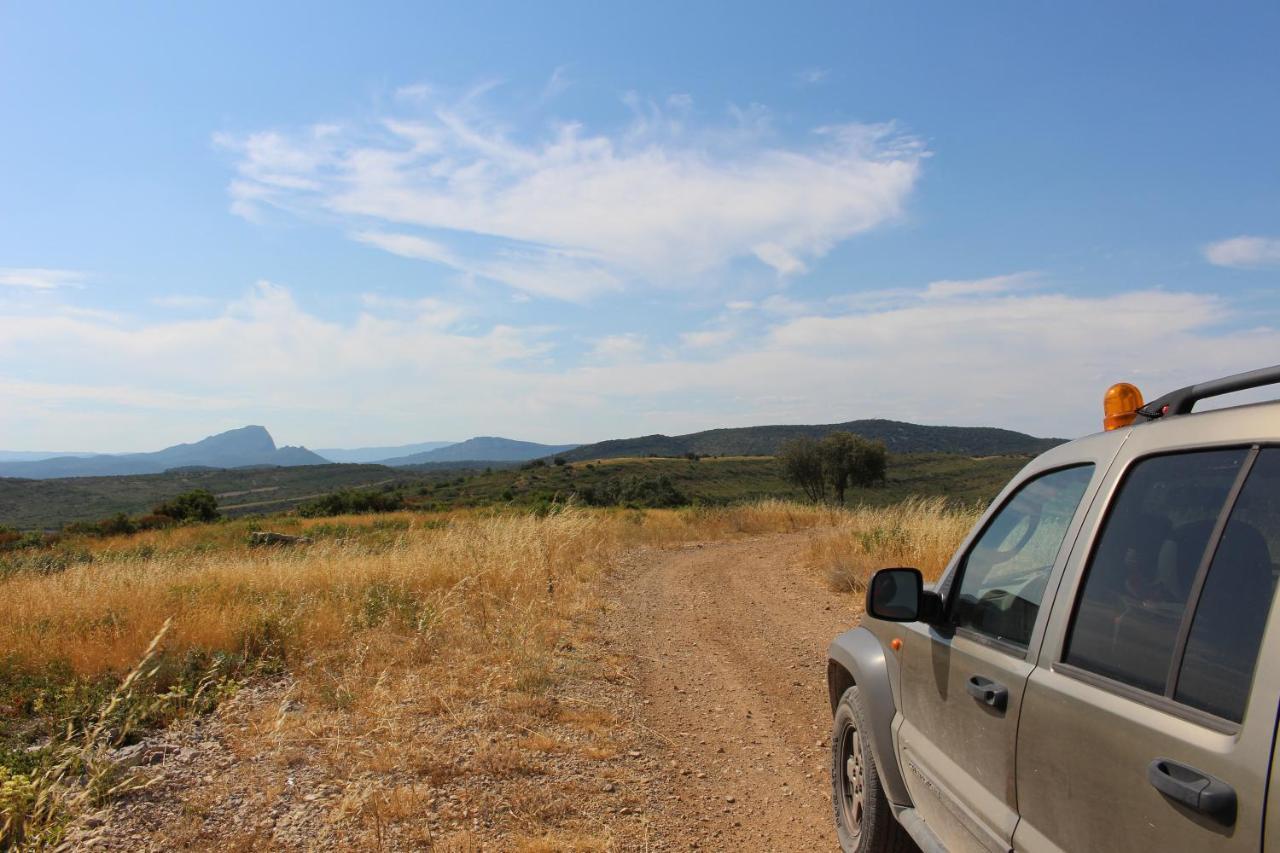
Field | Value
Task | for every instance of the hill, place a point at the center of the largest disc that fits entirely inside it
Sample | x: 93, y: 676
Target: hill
x: 483, y: 449
x: 898, y: 436
x: 33, y: 455
x: 51, y: 503
x: 365, y: 455
x: 237, y: 448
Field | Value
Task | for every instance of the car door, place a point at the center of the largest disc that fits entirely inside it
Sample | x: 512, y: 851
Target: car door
x: 962, y: 680
x: 1145, y: 726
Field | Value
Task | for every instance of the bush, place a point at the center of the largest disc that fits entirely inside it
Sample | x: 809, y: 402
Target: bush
x: 117, y: 525
x: 155, y: 521
x: 197, y: 505
x: 634, y: 491
x: 352, y: 501
x: 559, y: 460
x: 16, y: 540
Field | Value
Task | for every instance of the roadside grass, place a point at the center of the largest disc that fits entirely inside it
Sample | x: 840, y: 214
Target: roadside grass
x: 413, y: 642
x: 919, y: 532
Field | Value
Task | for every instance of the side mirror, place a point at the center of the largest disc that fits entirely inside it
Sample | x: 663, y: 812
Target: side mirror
x: 898, y: 595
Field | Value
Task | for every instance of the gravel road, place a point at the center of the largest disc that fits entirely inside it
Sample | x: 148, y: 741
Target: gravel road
x: 729, y: 643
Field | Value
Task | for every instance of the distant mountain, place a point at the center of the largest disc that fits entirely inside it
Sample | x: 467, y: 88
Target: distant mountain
x: 364, y: 455
x: 483, y: 449
x: 33, y: 455
x: 899, y: 437
x: 237, y: 448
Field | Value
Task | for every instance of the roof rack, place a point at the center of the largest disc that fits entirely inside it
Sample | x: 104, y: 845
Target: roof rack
x: 1182, y: 401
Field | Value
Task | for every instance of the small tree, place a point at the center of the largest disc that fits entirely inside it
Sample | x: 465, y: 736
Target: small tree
x: 197, y: 505
x: 802, y: 464
x: 851, y: 460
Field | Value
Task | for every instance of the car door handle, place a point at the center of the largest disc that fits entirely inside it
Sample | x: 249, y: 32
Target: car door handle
x: 988, y: 692
x: 1195, y: 790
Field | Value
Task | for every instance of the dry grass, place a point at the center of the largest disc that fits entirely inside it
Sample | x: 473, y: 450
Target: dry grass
x: 421, y: 650
x: 921, y: 532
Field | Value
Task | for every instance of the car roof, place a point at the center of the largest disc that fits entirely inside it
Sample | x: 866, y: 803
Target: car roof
x: 1258, y: 422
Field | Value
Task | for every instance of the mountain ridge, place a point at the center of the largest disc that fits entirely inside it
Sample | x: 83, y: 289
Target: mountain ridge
x: 373, y: 455
x: 236, y: 448
x: 898, y: 436
x: 482, y: 448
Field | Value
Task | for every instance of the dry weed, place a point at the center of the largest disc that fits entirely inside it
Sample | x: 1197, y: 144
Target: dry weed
x: 920, y: 532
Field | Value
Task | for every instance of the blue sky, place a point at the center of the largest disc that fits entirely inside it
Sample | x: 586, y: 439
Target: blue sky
x: 383, y: 223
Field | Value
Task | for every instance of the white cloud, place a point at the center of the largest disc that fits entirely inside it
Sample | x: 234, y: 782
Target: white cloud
x: 577, y: 212
x: 627, y: 345
x: 542, y: 272
x: 1035, y: 360
x: 38, y: 278
x: 706, y: 339
x: 951, y: 289
x: 183, y: 301
x: 812, y: 76
x: 557, y: 83
x: 1244, y: 252
x: 779, y: 258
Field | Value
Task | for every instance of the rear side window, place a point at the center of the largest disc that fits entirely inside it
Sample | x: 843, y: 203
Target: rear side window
x: 1004, y: 575
x: 1180, y: 583
x: 1226, y: 632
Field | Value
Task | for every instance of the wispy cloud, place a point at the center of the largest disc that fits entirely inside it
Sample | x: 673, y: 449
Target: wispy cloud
x: 565, y: 212
x: 39, y: 278
x: 556, y: 84
x: 952, y: 289
x: 1244, y: 252
x: 627, y: 345
x: 182, y: 301
x: 812, y: 76
x: 706, y: 338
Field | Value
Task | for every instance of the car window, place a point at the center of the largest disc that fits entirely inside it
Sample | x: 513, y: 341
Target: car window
x: 1141, y: 592
x: 1137, y: 582
x: 1004, y: 575
x: 1226, y: 632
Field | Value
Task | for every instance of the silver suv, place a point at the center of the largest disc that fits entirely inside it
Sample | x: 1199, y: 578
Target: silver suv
x: 1091, y: 672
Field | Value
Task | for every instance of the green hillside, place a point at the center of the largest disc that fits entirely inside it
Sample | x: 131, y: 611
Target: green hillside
x: 899, y: 437
x: 730, y: 479
x: 30, y: 504
x: 48, y: 504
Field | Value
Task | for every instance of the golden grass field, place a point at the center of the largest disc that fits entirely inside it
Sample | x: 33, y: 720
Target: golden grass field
x: 381, y: 622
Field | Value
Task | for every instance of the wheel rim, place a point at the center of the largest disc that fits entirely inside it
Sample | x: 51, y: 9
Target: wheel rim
x: 852, y: 778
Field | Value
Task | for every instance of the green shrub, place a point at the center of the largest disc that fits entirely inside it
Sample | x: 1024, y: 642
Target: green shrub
x: 634, y: 491
x: 352, y: 501
x: 197, y: 505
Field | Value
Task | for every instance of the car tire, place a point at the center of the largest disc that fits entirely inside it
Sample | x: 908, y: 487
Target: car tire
x: 864, y: 819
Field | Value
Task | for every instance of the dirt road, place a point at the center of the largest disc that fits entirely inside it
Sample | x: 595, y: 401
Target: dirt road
x: 729, y: 641
x: 694, y: 715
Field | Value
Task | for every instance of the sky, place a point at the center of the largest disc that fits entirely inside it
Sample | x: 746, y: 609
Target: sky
x: 382, y: 223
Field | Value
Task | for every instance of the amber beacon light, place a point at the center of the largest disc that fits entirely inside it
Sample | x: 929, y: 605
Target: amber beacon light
x: 1120, y: 405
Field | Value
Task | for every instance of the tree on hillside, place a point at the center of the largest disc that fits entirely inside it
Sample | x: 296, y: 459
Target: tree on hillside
x: 851, y: 460
x: 802, y: 464
x: 197, y: 505
x: 838, y: 462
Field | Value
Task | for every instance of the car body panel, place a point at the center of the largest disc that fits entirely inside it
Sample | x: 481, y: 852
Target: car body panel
x: 1098, y: 797
x: 957, y: 754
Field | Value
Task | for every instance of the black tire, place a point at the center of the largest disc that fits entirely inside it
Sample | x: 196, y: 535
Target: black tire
x: 864, y: 819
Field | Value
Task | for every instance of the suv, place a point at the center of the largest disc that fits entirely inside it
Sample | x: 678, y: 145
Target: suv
x: 1089, y: 673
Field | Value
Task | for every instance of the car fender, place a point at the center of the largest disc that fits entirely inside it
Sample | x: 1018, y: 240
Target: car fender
x: 856, y: 657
